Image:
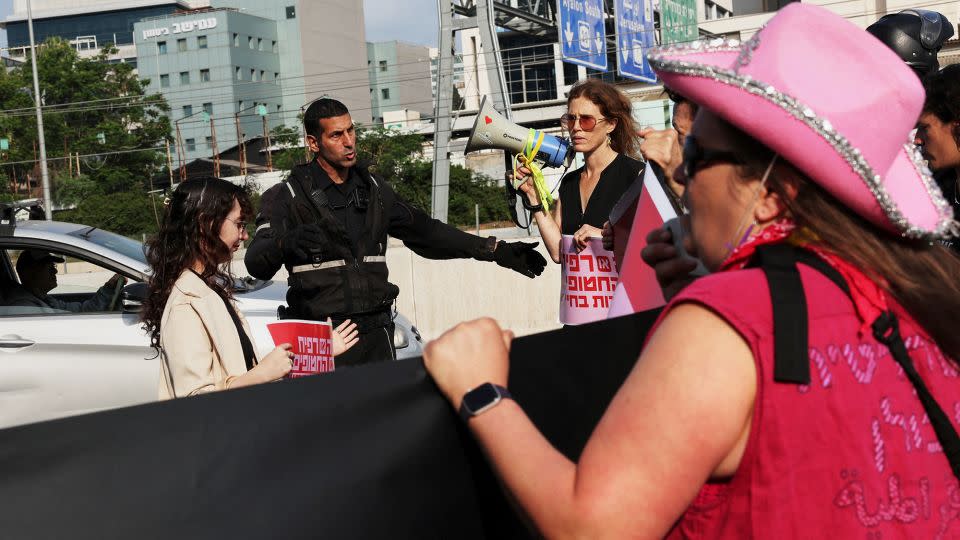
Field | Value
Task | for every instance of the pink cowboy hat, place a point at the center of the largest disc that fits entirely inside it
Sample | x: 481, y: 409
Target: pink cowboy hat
x: 829, y: 98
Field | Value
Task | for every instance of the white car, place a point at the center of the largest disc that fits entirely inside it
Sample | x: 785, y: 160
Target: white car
x: 61, y: 364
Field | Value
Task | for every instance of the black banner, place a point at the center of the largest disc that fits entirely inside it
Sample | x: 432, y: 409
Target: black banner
x: 369, y: 452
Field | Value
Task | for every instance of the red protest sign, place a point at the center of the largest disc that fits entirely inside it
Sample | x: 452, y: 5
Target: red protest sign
x: 312, y: 345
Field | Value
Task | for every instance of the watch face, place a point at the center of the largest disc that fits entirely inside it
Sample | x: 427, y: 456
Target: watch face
x: 481, y: 397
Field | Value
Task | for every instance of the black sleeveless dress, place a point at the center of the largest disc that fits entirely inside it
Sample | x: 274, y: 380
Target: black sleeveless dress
x: 615, y: 179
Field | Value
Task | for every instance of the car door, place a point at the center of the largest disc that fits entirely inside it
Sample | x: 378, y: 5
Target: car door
x: 61, y: 363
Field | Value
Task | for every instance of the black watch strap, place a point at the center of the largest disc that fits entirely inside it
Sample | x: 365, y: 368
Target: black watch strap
x: 482, y: 399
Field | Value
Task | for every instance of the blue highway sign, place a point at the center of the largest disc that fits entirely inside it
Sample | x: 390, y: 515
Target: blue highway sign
x: 582, y: 34
x: 634, y: 32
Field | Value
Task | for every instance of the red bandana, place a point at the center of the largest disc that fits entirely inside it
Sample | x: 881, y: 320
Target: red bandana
x: 869, y: 299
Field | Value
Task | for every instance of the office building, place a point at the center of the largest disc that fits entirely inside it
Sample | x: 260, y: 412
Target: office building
x: 435, y: 75
x: 400, y: 79
x: 219, y: 70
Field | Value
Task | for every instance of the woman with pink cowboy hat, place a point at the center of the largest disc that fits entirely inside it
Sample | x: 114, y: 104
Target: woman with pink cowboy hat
x: 809, y: 386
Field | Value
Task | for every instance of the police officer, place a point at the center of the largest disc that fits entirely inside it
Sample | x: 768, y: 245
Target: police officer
x: 916, y: 35
x: 328, y: 224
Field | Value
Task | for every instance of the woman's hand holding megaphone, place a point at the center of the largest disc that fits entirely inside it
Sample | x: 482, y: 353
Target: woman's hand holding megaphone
x: 523, y: 180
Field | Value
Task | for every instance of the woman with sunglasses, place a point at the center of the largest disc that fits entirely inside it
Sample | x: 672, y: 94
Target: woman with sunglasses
x: 808, y: 387
x: 599, y: 119
x: 203, y: 340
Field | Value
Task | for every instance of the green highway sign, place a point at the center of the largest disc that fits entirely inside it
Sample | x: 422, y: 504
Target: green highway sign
x: 678, y: 21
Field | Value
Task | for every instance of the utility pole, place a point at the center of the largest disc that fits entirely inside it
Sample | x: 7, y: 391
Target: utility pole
x: 44, y: 174
x: 483, y: 15
x: 241, y: 145
x: 69, y: 159
x: 216, y: 153
x: 169, y: 162
x: 266, y: 139
x: 180, y: 152
x: 306, y: 147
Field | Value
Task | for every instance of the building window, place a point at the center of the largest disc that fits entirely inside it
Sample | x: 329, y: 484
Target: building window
x: 182, y: 45
x: 530, y: 71
x: 273, y: 47
x: 276, y: 77
x: 240, y: 106
x: 570, y: 74
x: 191, y: 145
x: 208, y: 108
x: 204, y: 75
x: 184, y: 77
x: 201, y: 42
x: 250, y: 42
x: 291, y: 12
x: 236, y: 39
x: 278, y: 107
x: 238, y: 73
x: 209, y: 140
x: 165, y: 80
x: 385, y: 93
x: 383, y: 65
x: 253, y: 74
x: 187, y: 110
x: 259, y: 44
x: 262, y: 75
x: 161, y: 47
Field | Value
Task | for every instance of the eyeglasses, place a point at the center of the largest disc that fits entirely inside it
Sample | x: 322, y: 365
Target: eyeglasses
x: 241, y: 225
x: 587, y: 122
x: 695, y: 157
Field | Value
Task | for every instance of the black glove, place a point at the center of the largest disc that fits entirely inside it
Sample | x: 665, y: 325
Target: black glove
x: 303, y: 243
x: 520, y: 257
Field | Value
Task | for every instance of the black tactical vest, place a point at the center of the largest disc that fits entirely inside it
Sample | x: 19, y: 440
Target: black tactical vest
x: 343, y: 280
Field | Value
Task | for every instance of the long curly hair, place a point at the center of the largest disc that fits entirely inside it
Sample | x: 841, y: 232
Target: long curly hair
x: 613, y: 104
x: 190, y: 233
x: 920, y: 275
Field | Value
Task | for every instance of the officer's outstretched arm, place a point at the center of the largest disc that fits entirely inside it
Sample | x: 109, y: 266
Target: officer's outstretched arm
x: 434, y: 239
x: 264, y: 256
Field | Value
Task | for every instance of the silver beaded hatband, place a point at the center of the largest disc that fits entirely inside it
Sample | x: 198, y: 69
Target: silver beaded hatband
x: 946, y: 226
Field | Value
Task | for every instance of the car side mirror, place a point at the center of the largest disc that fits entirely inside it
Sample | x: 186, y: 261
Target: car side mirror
x: 133, y: 296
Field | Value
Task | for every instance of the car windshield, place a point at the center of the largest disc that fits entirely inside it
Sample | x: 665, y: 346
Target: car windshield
x: 121, y: 244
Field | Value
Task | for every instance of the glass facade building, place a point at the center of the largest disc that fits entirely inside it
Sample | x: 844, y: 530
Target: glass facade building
x: 88, y: 25
x: 110, y: 27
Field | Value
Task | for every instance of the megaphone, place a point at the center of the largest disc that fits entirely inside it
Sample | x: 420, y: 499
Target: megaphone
x: 492, y: 131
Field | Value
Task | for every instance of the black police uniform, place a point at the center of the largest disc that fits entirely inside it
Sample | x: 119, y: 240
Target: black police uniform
x: 345, y: 275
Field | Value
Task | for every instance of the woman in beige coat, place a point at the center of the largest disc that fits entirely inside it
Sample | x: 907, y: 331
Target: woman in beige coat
x: 204, y: 341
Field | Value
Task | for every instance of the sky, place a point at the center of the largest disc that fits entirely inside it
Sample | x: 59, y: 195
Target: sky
x: 386, y: 20
x: 405, y: 20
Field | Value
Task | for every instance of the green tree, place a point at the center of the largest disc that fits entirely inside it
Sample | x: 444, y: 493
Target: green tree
x: 292, y: 153
x: 398, y: 158
x: 97, y: 109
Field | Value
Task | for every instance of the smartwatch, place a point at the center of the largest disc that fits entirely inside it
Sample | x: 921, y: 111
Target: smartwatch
x: 481, y: 399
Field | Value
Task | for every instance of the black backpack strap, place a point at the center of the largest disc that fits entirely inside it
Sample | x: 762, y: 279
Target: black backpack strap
x: 779, y: 265
x: 791, y: 340
x: 886, y: 329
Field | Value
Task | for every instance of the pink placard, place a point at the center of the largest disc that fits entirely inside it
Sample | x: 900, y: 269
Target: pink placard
x: 312, y: 345
x: 589, y: 279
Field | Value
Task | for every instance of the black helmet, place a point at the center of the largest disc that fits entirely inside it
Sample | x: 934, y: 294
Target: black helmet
x: 916, y: 35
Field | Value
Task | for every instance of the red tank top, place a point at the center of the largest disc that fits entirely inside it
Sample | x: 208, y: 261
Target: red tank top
x: 852, y: 454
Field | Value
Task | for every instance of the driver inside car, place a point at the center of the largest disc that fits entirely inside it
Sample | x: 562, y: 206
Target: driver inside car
x: 38, y: 276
